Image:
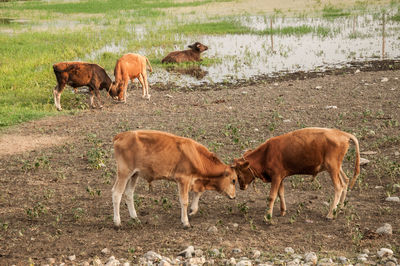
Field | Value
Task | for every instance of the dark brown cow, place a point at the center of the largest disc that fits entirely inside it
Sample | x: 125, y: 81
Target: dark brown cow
x: 129, y: 67
x: 307, y: 151
x: 78, y: 74
x: 155, y: 155
x: 187, y: 55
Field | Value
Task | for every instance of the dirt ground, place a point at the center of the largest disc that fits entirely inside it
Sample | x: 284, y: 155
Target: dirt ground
x: 56, y: 174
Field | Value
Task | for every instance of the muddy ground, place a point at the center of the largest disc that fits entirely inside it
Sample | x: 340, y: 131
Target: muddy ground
x: 56, y: 174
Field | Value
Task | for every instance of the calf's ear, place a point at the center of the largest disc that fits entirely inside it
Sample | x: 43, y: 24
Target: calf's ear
x: 240, y: 164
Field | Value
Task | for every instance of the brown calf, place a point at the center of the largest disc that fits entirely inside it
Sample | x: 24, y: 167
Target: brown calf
x: 187, y: 55
x: 78, y: 74
x: 129, y: 67
x: 155, y: 155
x: 307, y: 151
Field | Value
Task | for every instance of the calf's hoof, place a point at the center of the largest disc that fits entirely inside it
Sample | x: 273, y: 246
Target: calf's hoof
x: 283, y: 213
x: 192, y: 212
x: 187, y: 226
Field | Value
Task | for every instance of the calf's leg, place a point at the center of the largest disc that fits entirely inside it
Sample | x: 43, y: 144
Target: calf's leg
x: 345, y: 182
x: 275, y: 185
x: 335, y: 175
x: 281, y: 194
x: 57, y: 95
x: 195, y: 203
x: 123, y: 176
x: 142, y: 81
x: 184, y: 200
x: 129, y: 193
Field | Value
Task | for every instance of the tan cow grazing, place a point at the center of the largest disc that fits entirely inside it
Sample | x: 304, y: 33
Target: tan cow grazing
x: 193, y: 54
x: 78, y: 74
x: 129, y: 67
x: 155, y: 155
x: 307, y: 151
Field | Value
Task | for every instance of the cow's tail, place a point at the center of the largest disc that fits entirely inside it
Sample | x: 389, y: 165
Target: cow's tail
x: 149, y: 65
x: 357, y: 163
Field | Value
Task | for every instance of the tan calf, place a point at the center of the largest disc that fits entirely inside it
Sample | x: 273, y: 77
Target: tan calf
x: 130, y: 67
x: 155, y: 155
x: 307, y: 151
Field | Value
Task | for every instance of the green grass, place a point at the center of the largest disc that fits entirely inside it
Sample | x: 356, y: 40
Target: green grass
x: 330, y: 11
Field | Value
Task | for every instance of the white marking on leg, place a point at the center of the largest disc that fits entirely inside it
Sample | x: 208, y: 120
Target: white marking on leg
x: 129, y: 193
x: 183, y: 199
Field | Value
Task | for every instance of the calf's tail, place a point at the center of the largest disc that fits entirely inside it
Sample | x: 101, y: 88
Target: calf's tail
x: 357, y: 163
x: 148, y: 63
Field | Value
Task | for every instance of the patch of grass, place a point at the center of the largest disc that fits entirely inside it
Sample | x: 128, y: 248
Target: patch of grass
x: 330, y: 11
x: 396, y: 17
x: 221, y: 27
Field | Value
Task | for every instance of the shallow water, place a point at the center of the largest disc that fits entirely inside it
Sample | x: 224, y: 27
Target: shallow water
x: 249, y: 55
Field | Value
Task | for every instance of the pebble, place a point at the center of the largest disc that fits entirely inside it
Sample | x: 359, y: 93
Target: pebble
x: 112, y: 262
x: 187, y: 253
x: 198, y: 252
x: 244, y: 263
x: 357, y: 71
x: 287, y: 121
x: 318, y: 87
x: 392, y: 199
x: 213, y: 229
x: 197, y: 261
x: 384, y: 79
x: 396, y: 153
x: 379, y: 187
x: 342, y: 259
x: 396, y: 186
x: 105, y: 251
x: 235, y: 225
x: 362, y: 257
x: 368, y: 152
x: 256, y: 254
x: 289, y: 250
x: 72, y: 257
x: 215, y: 252
x: 384, y: 252
x: 364, y: 161
x: 386, y: 229
x: 331, y: 107
x: 366, y: 251
x: 232, y: 261
x: 97, y: 262
x: 236, y: 250
x: 151, y: 255
x: 164, y: 263
x: 311, y: 257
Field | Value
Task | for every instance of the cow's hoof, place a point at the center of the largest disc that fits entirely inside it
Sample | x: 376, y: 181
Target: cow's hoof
x: 101, y: 107
x: 186, y: 227
x: 192, y: 212
x: 59, y: 109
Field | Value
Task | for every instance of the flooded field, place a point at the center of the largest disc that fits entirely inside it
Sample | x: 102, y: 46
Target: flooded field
x: 244, y: 56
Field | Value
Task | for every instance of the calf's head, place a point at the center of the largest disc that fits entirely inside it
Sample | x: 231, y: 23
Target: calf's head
x: 115, y: 89
x: 243, y: 172
x: 227, y: 184
x: 198, y: 47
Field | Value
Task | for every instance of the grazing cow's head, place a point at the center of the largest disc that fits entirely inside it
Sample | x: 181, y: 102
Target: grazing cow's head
x: 114, y: 89
x: 244, y: 172
x: 198, y: 47
x: 228, y: 183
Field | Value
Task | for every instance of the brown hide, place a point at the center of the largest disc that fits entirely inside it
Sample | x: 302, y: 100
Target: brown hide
x: 306, y: 151
x: 129, y: 67
x: 187, y: 55
x: 78, y: 74
x: 155, y: 155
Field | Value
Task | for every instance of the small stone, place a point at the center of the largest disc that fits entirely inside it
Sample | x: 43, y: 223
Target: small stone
x: 231, y: 261
x: 51, y: 260
x: 197, y: 261
x: 236, y: 250
x: 97, y: 262
x: 392, y: 199
x: 85, y: 263
x: 311, y: 257
x: 152, y: 256
x: 105, y: 251
x: 386, y: 229
x: 198, y: 252
x: 396, y: 186
x: 112, y: 261
x: 244, y: 92
x: 287, y: 121
x: 371, y: 133
x: 128, y: 264
x: 187, y: 253
x: 72, y: 257
x: 256, y: 254
x: 396, y: 153
x: 318, y: 87
x: 383, y: 252
x: 244, y: 263
x: 289, y: 250
x: 384, y: 79
x: 362, y: 257
x: 293, y: 262
x: 390, y: 263
x: 342, y: 259
x: 325, y: 203
x: 168, y: 96
x: 363, y: 161
x: 379, y: 187
x: 164, y: 263
x: 357, y: 71
x: 366, y: 251
x: 309, y: 221
x: 331, y: 107
x: 256, y: 130
x: 213, y: 229
x: 235, y: 225
x: 276, y: 84
x: 215, y: 252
